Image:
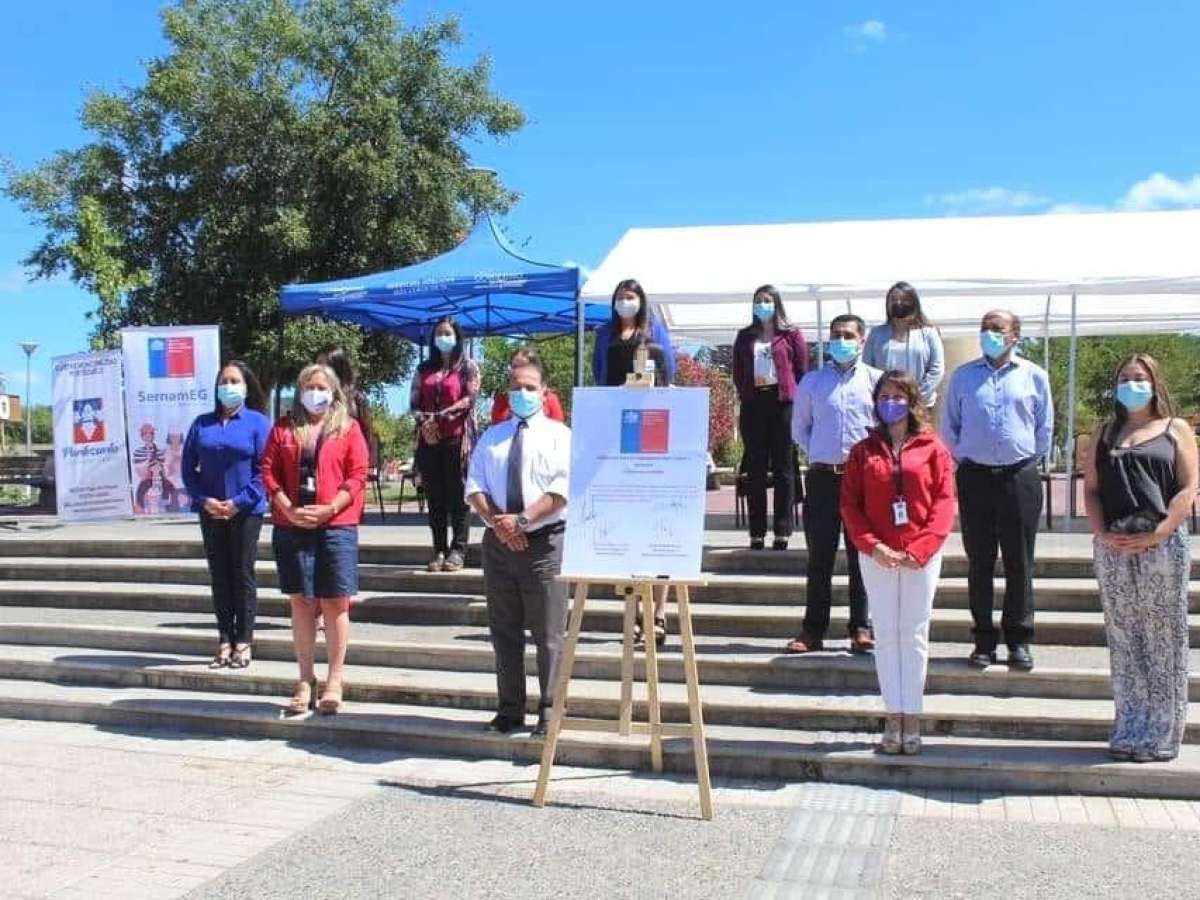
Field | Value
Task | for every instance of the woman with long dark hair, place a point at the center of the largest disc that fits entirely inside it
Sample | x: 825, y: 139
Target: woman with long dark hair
x: 443, y: 403
x: 633, y: 324
x: 898, y: 505
x: 338, y: 358
x: 907, y: 342
x: 1138, y: 490
x: 770, y: 357
x: 220, y: 468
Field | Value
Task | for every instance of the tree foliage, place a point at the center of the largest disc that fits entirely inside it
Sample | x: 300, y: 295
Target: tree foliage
x: 275, y: 141
x: 558, y: 356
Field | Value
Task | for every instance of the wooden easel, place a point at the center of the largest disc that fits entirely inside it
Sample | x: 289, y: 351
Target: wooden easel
x: 633, y: 591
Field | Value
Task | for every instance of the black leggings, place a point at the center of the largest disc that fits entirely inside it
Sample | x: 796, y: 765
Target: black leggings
x: 440, y: 466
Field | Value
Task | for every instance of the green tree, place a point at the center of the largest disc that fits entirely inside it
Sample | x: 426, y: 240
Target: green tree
x: 275, y: 141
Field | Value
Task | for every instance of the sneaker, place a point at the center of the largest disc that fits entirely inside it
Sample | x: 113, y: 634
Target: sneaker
x: 1020, y: 658
x: 438, y: 563
x: 454, y: 562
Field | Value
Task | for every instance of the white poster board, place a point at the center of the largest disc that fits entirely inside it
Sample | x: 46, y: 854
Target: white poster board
x: 636, y: 503
x: 91, y: 469
x: 170, y: 375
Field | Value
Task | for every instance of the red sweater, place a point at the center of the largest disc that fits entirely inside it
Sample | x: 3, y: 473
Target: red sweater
x: 341, y: 463
x: 869, y: 488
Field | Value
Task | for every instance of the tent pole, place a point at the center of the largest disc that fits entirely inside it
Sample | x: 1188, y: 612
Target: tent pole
x: 579, y: 338
x: 1046, y: 336
x: 1070, y: 448
x: 820, y: 330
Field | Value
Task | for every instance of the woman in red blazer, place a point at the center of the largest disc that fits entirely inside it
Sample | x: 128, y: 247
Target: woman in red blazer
x: 898, y: 505
x: 314, y: 467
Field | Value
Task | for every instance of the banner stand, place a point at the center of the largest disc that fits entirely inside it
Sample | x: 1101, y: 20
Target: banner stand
x: 633, y: 591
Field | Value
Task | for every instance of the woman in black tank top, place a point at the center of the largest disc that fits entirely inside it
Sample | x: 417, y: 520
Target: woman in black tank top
x: 1139, y: 491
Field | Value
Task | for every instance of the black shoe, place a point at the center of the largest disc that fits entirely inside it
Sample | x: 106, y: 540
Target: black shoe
x: 543, y: 723
x: 502, y: 724
x: 981, y: 659
x: 780, y: 544
x: 1019, y: 657
x: 757, y: 543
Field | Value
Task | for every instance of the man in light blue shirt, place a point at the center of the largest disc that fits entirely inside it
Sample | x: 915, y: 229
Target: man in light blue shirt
x: 833, y: 410
x: 998, y: 422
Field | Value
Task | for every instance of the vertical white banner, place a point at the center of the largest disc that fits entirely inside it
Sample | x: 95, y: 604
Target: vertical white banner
x: 91, y: 469
x: 170, y: 373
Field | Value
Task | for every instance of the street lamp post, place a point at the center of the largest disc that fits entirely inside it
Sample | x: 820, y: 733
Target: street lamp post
x: 29, y: 347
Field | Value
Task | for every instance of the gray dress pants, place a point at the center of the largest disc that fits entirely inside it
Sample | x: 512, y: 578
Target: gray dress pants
x: 522, y: 594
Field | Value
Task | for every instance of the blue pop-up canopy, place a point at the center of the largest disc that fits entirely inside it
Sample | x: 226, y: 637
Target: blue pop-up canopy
x: 483, y: 283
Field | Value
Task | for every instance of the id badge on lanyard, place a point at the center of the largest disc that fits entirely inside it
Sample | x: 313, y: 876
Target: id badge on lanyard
x: 899, y: 504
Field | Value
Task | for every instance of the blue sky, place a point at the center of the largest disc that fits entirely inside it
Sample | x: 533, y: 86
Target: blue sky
x: 674, y: 113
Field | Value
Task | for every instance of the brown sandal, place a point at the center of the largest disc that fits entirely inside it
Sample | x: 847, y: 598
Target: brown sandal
x: 303, y: 698
x: 331, y: 698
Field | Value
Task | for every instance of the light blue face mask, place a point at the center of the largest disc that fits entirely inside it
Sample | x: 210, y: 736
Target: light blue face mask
x: 524, y: 403
x: 1135, y: 395
x: 445, y: 342
x: 764, y: 311
x: 231, y: 395
x: 993, y: 343
x: 844, y: 350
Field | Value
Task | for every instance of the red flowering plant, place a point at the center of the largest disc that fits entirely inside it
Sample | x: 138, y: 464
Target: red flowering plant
x: 697, y: 372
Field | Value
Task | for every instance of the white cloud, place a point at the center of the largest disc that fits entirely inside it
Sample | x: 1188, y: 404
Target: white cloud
x: 984, y: 200
x: 1059, y: 209
x: 872, y: 31
x: 1160, y: 191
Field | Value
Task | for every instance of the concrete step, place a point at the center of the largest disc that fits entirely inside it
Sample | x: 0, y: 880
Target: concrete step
x: 945, y: 714
x: 1059, y: 594
x: 1062, y: 672
x: 736, y: 751
x: 729, y: 620
x: 409, y: 547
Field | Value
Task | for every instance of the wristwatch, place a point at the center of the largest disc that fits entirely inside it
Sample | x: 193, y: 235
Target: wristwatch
x: 522, y: 521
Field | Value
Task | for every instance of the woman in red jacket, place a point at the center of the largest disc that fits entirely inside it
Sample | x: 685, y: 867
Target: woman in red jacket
x: 898, y: 505
x: 314, y: 467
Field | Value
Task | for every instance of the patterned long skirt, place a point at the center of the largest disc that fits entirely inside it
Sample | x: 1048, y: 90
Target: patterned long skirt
x: 1145, y: 622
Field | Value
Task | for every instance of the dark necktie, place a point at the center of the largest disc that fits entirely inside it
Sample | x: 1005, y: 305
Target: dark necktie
x: 514, y: 496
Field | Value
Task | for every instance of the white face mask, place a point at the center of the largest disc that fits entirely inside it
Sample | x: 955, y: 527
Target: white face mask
x: 627, y: 309
x: 316, y: 400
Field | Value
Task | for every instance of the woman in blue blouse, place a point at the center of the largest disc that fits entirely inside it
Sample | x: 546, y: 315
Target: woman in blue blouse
x: 633, y: 322
x: 221, y: 460
x: 907, y: 342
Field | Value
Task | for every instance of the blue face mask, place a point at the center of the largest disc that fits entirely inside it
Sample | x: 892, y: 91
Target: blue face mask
x: 844, y: 350
x: 993, y: 343
x: 231, y: 395
x: 524, y: 403
x: 445, y: 342
x: 764, y: 311
x: 1135, y: 395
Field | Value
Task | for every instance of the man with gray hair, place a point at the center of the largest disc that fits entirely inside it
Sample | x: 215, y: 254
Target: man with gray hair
x: 998, y: 422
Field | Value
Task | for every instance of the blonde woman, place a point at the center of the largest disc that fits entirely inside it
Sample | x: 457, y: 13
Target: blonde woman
x: 1138, y: 491
x: 314, y: 468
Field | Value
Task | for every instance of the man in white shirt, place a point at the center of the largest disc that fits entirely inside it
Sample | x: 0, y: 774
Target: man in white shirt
x: 517, y: 483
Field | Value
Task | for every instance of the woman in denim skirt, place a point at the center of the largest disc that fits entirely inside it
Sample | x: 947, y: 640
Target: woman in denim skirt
x: 314, y: 468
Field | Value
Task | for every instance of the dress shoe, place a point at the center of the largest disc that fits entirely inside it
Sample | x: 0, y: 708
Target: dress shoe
x: 805, y: 644
x: 1019, y: 657
x: 981, y: 659
x: 861, y: 641
x: 757, y: 543
x: 779, y: 544
x: 502, y: 724
x: 543, y: 724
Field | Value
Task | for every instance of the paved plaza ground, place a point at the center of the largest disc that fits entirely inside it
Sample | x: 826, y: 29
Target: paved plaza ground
x: 89, y: 812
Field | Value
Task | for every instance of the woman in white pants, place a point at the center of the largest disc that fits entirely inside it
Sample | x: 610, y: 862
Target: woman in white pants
x: 898, y: 505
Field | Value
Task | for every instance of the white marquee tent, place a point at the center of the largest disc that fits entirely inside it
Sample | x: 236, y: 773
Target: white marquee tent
x: 1086, y: 274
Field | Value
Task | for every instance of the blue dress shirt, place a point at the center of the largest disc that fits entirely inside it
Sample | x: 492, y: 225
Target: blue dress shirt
x: 221, y: 460
x: 998, y: 416
x: 833, y: 410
